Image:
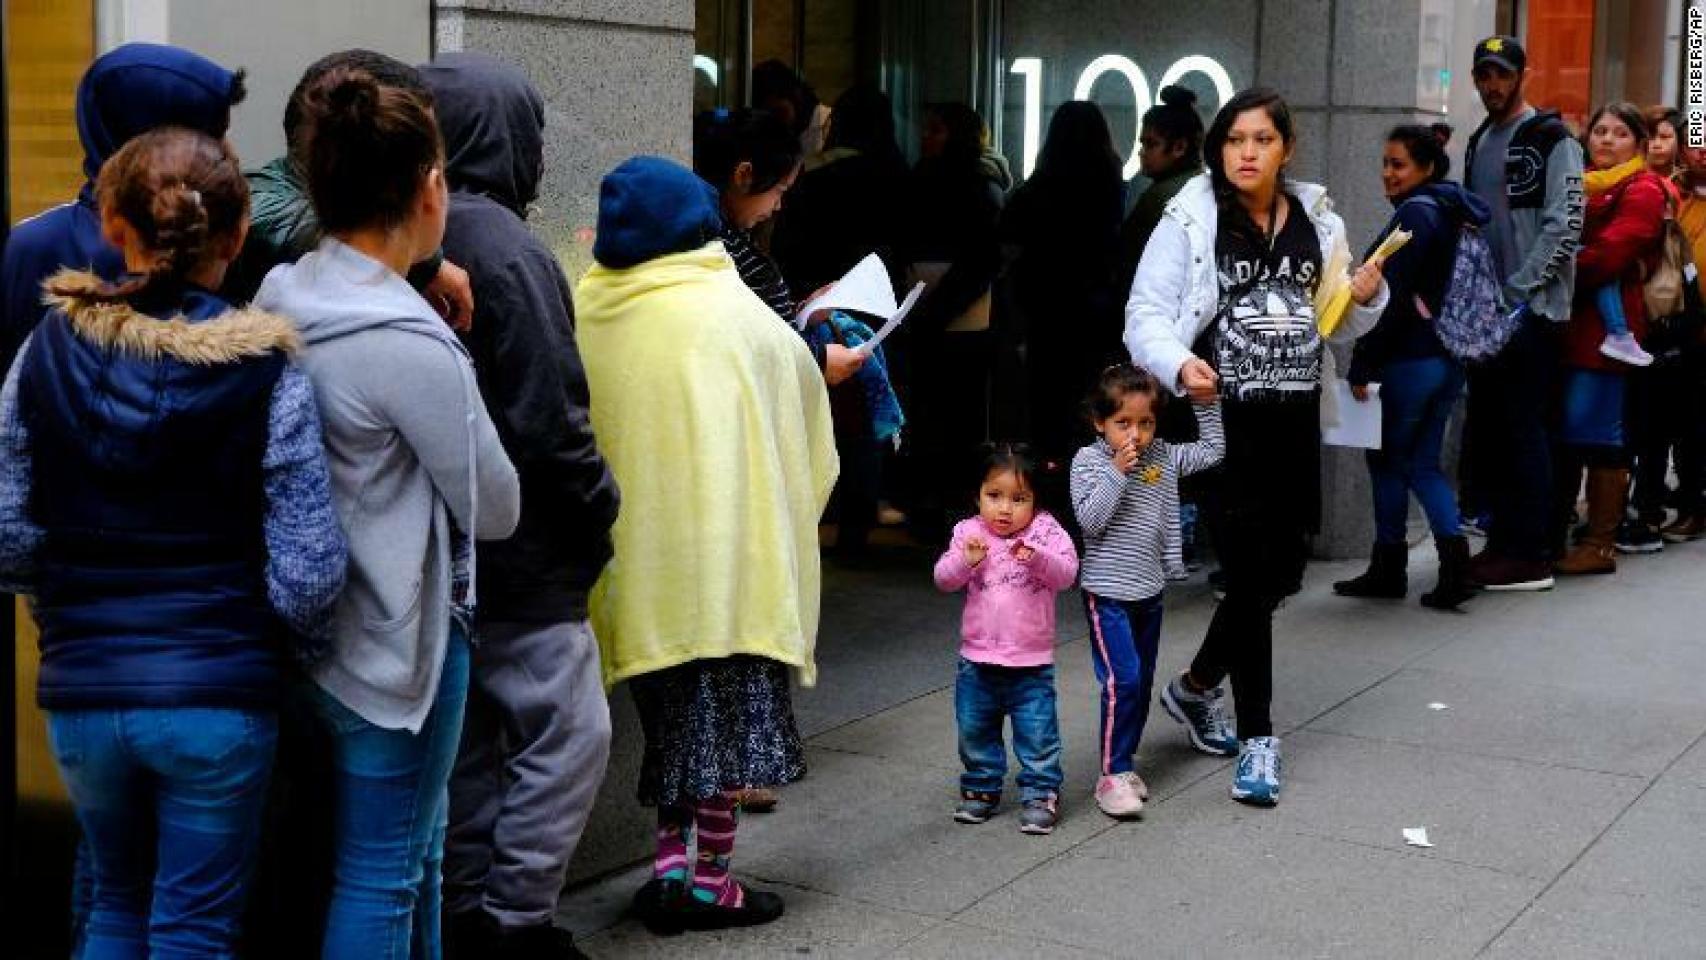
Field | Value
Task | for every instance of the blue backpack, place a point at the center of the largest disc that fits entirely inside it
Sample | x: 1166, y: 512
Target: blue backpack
x: 1473, y: 321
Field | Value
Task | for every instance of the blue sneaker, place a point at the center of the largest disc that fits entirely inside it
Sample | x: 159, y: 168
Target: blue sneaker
x: 1204, y: 717
x: 1257, y: 781
x: 976, y: 807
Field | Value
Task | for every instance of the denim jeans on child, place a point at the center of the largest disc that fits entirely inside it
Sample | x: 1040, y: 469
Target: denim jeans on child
x: 392, y: 809
x: 1416, y: 398
x: 1125, y: 637
x: 986, y: 695
x: 170, y: 802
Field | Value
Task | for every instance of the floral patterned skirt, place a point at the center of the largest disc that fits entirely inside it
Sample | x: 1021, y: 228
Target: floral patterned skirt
x: 715, y: 725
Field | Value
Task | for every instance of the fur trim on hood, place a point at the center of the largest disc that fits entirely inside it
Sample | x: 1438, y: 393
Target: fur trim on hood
x: 232, y: 336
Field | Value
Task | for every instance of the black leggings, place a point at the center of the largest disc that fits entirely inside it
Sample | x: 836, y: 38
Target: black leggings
x: 1262, y: 558
x: 1666, y: 410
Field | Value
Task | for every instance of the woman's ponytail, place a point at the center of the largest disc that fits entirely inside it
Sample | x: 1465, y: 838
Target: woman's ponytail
x: 180, y: 190
x: 366, y: 146
x: 180, y: 227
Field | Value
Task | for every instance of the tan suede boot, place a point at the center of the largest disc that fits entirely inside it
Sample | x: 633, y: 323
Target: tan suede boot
x: 1597, y: 552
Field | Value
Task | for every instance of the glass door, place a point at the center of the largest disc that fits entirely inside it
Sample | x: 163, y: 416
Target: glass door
x: 47, y: 45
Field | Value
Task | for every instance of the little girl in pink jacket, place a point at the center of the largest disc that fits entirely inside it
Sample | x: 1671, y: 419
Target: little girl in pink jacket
x: 1011, y: 559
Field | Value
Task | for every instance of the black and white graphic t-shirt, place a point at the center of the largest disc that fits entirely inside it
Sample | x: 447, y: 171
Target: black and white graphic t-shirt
x: 1267, y: 345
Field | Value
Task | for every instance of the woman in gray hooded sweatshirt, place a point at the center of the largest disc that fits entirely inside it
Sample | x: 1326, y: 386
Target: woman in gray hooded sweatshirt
x: 417, y: 472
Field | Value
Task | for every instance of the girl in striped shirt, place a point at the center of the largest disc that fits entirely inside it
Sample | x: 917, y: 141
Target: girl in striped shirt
x: 1125, y: 493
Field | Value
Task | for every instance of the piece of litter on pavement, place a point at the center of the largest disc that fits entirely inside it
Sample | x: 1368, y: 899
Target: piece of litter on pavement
x: 1417, y: 837
x: 1438, y: 706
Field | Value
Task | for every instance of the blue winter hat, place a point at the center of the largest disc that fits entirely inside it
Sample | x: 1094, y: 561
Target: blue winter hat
x: 137, y: 87
x: 650, y: 207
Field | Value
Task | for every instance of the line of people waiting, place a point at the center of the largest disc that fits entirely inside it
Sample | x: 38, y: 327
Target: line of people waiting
x: 409, y: 379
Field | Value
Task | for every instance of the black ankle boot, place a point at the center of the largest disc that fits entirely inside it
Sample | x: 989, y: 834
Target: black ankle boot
x: 1454, y: 586
x: 1385, y: 578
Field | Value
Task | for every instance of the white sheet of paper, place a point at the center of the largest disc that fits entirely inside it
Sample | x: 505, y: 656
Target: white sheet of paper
x: 1417, y: 837
x: 894, y: 321
x: 866, y: 289
x: 1359, y: 420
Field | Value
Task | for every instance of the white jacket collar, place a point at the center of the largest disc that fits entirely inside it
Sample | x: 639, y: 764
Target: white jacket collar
x: 1194, y: 208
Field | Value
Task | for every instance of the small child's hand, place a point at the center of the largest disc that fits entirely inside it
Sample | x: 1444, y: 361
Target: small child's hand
x: 1125, y: 458
x: 976, y: 550
x: 1023, y: 552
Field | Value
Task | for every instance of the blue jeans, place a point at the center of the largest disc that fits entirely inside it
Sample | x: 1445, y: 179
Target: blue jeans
x: 1126, y: 636
x: 1416, y: 398
x: 391, y: 811
x: 984, y: 697
x: 1609, y: 299
x: 170, y: 802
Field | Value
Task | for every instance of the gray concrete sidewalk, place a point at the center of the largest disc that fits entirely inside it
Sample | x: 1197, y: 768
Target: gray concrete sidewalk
x: 1563, y: 787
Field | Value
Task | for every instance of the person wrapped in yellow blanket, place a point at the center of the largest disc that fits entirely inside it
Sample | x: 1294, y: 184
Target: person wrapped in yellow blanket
x: 715, y: 421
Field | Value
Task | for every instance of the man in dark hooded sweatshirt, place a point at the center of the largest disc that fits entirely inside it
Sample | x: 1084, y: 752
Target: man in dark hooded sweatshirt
x: 537, y: 731
x: 124, y: 93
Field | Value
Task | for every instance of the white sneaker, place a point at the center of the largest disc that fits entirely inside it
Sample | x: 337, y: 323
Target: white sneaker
x: 1121, y: 795
x: 1623, y: 347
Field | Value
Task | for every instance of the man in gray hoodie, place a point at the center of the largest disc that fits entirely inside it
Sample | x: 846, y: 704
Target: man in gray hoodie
x: 537, y: 732
x: 1528, y: 167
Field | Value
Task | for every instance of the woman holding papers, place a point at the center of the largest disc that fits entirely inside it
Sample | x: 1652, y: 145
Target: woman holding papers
x: 752, y: 159
x: 1252, y: 269
x: 1418, y: 380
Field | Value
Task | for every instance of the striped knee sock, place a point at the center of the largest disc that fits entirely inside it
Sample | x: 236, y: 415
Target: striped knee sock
x: 675, y: 831
x: 716, y: 819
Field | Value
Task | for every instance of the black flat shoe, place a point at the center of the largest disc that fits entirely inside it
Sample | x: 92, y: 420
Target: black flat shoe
x: 659, y: 905
x: 757, y: 908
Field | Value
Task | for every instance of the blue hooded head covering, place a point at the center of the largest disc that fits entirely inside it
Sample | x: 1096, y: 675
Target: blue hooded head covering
x: 650, y: 207
x: 124, y: 94
x: 140, y: 86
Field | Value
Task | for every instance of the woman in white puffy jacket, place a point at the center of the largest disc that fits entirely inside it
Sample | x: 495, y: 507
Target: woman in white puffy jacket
x: 1241, y: 286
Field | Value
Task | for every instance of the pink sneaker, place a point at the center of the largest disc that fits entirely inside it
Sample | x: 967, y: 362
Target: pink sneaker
x: 1623, y: 347
x: 1121, y: 795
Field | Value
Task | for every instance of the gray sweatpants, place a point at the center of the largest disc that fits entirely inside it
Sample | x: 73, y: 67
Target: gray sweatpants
x: 534, y: 745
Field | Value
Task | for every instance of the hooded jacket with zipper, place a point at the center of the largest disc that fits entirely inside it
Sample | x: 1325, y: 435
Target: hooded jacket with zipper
x: 523, y: 345
x: 1543, y: 189
x: 282, y: 227
x: 164, y: 498
x: 124, y: 93
x: 1176, y: 292
x: 1420, y: 272
x: 416, y: 468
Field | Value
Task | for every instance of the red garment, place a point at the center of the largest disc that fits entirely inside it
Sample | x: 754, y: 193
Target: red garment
x: 1620, y: 237
x: 1673, y: 190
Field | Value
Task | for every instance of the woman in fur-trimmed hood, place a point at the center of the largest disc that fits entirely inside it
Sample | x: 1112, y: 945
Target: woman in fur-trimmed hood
x: 164, y: 501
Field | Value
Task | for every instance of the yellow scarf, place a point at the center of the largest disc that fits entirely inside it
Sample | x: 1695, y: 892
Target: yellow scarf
x: 715, y: 421
x: 1599, y: 181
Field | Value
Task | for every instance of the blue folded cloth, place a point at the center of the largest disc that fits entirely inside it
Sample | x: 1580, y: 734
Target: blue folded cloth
x: 880, y: 398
